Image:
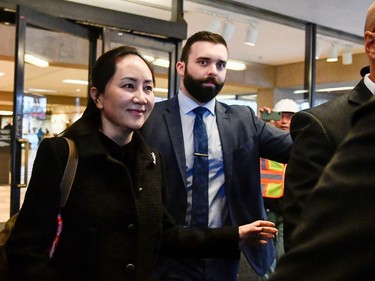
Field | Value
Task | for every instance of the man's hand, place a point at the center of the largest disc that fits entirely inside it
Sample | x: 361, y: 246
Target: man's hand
x: 257, y: 232
x: 264, y: 108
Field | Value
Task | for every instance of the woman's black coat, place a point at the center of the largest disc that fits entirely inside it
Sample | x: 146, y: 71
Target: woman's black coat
x: 114, y: 226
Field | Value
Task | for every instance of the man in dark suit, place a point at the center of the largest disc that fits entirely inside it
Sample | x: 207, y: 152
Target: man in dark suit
x: 335, y: 242
x: 317, y: 132
x: 236, y: 140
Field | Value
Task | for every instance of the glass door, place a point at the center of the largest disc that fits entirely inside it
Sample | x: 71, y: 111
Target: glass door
x: 7, y: 35
x: 161, y: 53
x: 52, y: 62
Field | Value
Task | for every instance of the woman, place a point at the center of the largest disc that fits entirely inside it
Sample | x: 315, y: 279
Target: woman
x: 115, y: 224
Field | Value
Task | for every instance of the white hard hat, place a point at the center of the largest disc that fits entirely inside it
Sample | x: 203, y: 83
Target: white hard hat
x: 286, y: 105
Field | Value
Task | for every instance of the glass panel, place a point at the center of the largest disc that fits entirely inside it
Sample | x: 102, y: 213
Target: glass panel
x: 338, y: 67
x: 289, y: 73
x: 55, y: 92
x: 56, y: 95
x: 50, y: 105
x: 7, y: 33
x: 274, y: 54
x: 156, y: 52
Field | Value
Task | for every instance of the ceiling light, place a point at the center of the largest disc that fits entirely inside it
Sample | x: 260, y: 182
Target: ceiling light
x: 228, y: 31
x: 39, y: 90
x: 297, y: 92
x: 214, y: 25
x: 226, y: 97
x: 251, y: 36
x: 2, y: 74
x: 36, y: 61
x: 74, y: 81
x: 161, y: 63
x: 333, y: 54
x: 335, y: 89
x: 161, y: 90
x: 148, y: 58
x: 6, y: 112
x: 323, y: 90
x: 347, y: 57
x: 318, y: 50
x: 235, y: 65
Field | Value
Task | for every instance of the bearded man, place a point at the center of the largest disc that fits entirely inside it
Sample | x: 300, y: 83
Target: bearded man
x: 236, y: 139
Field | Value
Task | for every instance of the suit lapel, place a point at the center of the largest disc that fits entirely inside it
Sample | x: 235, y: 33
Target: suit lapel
x: 224, y: 124
x: 173, y: 123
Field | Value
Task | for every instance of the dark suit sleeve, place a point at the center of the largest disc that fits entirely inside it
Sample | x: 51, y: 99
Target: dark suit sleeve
x: 191, y: 243
x: 335, y: 238
x: 310, y: 153
x: 274, y: 144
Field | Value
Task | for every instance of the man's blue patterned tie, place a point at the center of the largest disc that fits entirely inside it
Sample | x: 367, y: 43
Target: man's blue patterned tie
x: 199, y: 211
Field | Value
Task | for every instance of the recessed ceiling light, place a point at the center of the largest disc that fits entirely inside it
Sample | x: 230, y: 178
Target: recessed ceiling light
x: 334, y: 89
x: 75, y: 81
x: 235, y: 65
x: 6, y: 112
x: 161, y: 62
x: 36, y: 61
x: 39, y: 90
x: 161, y: 90
x: 148, y: 58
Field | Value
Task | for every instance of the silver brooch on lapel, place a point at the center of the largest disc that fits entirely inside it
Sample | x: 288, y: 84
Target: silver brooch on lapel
x: 153, y: 156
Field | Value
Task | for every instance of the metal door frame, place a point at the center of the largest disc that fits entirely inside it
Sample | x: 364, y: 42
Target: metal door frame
x: 26, y: 16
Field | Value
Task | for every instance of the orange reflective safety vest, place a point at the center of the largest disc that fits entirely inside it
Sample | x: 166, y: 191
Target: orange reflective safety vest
x: 272, y: 178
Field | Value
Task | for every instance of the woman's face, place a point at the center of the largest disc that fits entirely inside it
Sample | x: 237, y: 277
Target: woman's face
x: 128, y: 99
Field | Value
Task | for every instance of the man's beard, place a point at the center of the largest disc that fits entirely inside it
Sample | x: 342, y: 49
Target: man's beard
x: 200, y: 92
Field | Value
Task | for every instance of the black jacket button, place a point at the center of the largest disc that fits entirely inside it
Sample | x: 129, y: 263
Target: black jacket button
x: 132, y: 228
x: 130, y: 268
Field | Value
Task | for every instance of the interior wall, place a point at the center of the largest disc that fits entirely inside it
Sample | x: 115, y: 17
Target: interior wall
x: 266, y: 97
x: 291, y: 75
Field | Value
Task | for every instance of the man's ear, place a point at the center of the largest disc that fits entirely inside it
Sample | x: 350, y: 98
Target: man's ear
x: 370, y: 44
x: 180, y: 67
x: 96, y: 97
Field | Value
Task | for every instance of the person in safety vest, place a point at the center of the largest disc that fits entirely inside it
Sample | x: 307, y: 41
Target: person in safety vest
x: 272, y: 173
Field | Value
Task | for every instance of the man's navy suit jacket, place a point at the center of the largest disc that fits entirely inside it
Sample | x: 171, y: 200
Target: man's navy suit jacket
x: 244, y: 138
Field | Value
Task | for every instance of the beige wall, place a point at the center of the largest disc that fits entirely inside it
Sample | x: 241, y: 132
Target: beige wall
x: 291, y: 75
x: 266, y: 97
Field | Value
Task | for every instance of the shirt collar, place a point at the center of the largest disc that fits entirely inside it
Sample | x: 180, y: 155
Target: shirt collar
x: 369, y: 84
x: 187, y: 104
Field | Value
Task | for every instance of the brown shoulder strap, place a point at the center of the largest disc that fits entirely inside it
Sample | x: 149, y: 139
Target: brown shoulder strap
x: 69, y: 173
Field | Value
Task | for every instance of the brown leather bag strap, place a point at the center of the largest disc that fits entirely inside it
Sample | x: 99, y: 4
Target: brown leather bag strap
x: 69, y: 173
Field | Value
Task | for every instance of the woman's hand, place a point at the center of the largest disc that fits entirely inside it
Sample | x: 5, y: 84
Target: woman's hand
x: 255, y: 233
